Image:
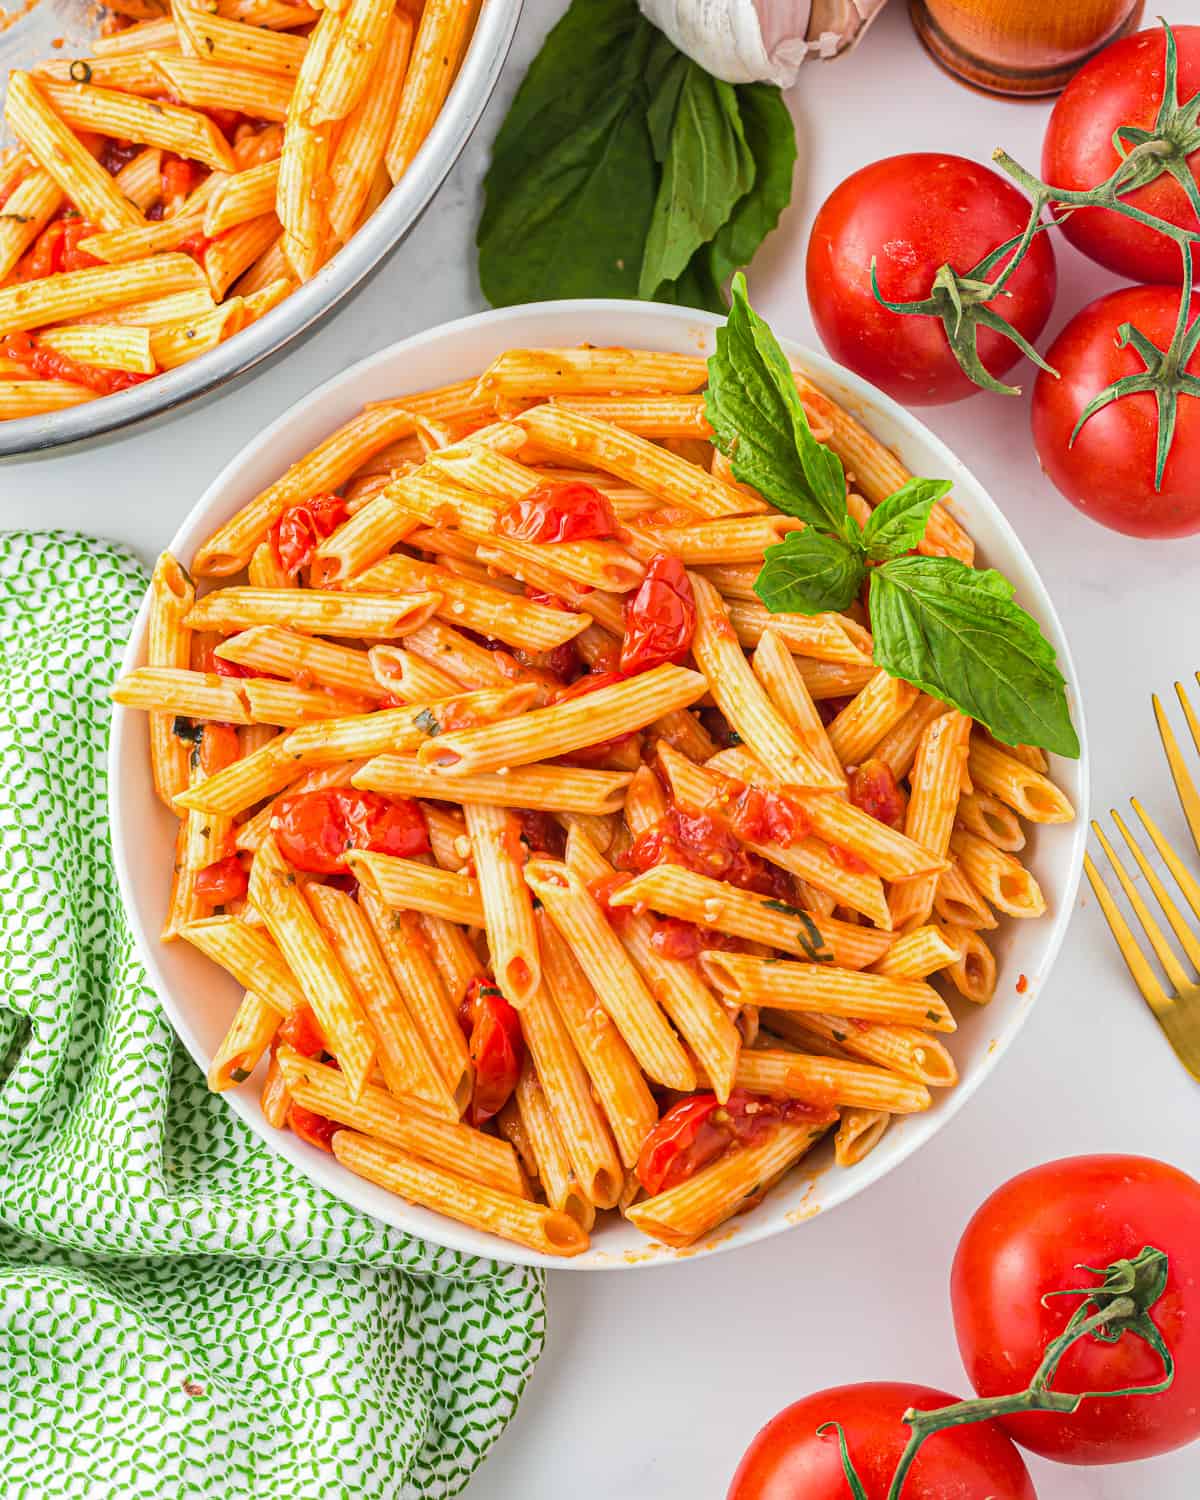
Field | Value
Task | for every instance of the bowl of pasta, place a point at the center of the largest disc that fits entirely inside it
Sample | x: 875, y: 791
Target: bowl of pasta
x: 512, y: 867
x: 190, y: 190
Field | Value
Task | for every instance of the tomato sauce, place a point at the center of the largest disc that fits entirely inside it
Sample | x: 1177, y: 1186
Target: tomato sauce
x: 47, y: 364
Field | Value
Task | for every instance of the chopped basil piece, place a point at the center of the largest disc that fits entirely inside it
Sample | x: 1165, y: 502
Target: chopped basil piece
x: 427, y: 724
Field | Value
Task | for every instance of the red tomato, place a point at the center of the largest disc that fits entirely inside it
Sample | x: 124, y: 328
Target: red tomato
x: 72, y: 258
x: 915, y: 213
x: 57, y: 249
x: 178, y: 177
x: 1030, y: 1238
x: 1123, y: 85
x: 660, y: 618
x: 496, y: 1046
x: 314, y: 829
x: 300, y: 527
x: 221, y: 882
x: 312, y: 1127
x: 46, y: 364
x: 301, y: 1031
x: 789, y: 1461
x: 873, y: 787
x: 558, y: 513
x: 1108, y: 473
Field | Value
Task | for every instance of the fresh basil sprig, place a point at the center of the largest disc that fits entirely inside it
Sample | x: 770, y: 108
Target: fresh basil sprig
x: 623, y: 169
x: 952, y: 630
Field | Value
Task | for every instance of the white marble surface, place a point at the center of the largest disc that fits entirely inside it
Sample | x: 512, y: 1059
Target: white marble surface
x: 653, y: 1382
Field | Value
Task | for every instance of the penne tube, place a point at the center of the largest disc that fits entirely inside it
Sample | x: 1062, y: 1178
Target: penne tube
x: 858, y: 1134
x: 176, y: 307
x: 868, y: 717
x: 572, y: 436
x: 742, y: 699
x: 819, y: 988
x: 203, y: 838
x: 684, y: 732
x: 533, y: 1225
x: 250, y: 1033
x: 436, y: 53
x: 369, y: 535
x: 560, y: 1186
x: 64, y: 296
x: 645, y: 802
x: 826, y: 679
x: 406, y: 885
x: 898, y: 748
x: 236, y: 44
x: 357, y: 160
x: 546, y: 788
x: 132, y: 73
x: 914, y: 1055
x: 682, y: 1214
x: 403, y: 1055
x: 177, y: 344
x: 169, y: 644
x: 351, y: 60
x: 250, y: 956
x: 827, y: 1081
x: 30, y: 398
x: 27, y: 210
x: 283, y: 653
x: 275, y: 1101
x: 822, y: 637
x: 610, y: 971
x: 957, y: 901
x: 403, y: 1123
x: 917, y: 954
x: 241, y: 197
x: 313, y: 611
x: 206, y: 85
x: 495, y: 835
x: 676, y: 892
x: 1025, y: 790
x: 988, y: 818
x: 401, y: 673
x: 658, y: 417
x: 108, y: 348
x: 1000, y: 878
x: 177, y: 691
x: 936, y: 781
x: 287, y: 705
x: 775, y: 668
x: 280, y: 902
x: 152, y: 34
x: 150, y: 122
x: 533, y: 374
x: 973, y: 972
x: 736, y: 539
x: 620, y: 1087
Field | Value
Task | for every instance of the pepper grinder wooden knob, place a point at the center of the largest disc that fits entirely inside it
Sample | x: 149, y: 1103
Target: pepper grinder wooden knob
x: 1023, y: 47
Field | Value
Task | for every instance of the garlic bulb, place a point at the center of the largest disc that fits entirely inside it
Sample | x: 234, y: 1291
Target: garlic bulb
x: 760, y: 41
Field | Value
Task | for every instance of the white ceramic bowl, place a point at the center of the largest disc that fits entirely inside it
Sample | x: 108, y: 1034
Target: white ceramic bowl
x: 200, y: 1000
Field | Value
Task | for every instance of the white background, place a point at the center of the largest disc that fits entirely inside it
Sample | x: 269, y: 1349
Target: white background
x: 653, y: 1381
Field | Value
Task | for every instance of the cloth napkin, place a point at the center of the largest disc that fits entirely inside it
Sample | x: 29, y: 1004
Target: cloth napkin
x: 181, y: 1312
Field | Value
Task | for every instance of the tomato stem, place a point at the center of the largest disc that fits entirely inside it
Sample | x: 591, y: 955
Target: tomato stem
x: 1120, y: 1305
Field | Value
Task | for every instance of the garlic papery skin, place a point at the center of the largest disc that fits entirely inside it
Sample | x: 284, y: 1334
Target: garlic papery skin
x: 760, y: 41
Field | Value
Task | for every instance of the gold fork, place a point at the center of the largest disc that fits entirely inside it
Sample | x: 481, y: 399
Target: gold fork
x: 1177, y: 1012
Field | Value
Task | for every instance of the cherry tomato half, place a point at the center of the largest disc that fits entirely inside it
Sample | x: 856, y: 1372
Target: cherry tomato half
x: 1123, y: 85
x: 298, y: 530
x: 1108, y: 472
x: 913, y: 214
x: 874, y: 789
x: 496, y: 1047
x: 316, y: 1129
x: 221, y: 882
x: 558, y: 513
x: 660, y: 619
x: 788, y: 1460
x: 1030, y: 1238
x: 314, y: 829
x: 302, y: 1032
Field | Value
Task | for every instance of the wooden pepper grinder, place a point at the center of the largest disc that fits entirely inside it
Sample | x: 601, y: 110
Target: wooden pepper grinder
x: 1024, y: 47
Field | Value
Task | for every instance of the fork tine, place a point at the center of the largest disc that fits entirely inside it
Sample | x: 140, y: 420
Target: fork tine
x: 1163, y: 950
x: 1184, y: 878
x: 1187, y: 939
x: 1136, y: 961
x: 1184, y: 785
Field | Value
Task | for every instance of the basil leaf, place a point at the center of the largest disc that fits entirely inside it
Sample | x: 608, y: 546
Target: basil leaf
x: 574, y: 144
x: 759, y: 423
x: 664, y: 79
x: 808, y: 573
x: 955, y: 632
x: 898, y: 523
x: 771, y: 137
x: 707, y: 168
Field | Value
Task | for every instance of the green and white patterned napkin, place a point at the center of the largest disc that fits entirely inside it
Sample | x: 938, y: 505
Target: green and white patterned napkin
x: 182, y: 1314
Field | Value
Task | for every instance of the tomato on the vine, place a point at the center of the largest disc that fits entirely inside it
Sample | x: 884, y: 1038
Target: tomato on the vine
x: 1030, y: 1239
x: 913, y: 214
x: 1108, y: 472
x: 1123, y: 85
x: 790, y: 1460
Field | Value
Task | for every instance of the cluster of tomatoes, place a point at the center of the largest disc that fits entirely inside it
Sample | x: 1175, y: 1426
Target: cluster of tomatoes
x: 913, y: 214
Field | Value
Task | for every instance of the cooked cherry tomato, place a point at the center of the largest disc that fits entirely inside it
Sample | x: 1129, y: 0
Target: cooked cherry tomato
x: 699, y: 1129
x: 873, y: 787
x: 301, y: 1031
x: 57, y: 249
x: 542, y: 833
x: 674, y: 938
x: 314, y: 829
x: 316, y: 1129
x: 913, y: 214
x: 558, y: 513
x: 221, y: 882
x: 1030, y: 1239
x: 298, y: 530
x: 1108, y: 472
x: 47, y: 364
x: 706, y: 844
x: 116, y: 155
x: 660, y: 618
x: 790, y: 1460
x: 496, y: 1047
x: 763, y: 817
x: 178, y: 178
x: 1123, y: 85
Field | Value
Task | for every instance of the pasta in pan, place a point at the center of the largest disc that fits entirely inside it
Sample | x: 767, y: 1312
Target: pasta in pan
x: 564, y: 879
